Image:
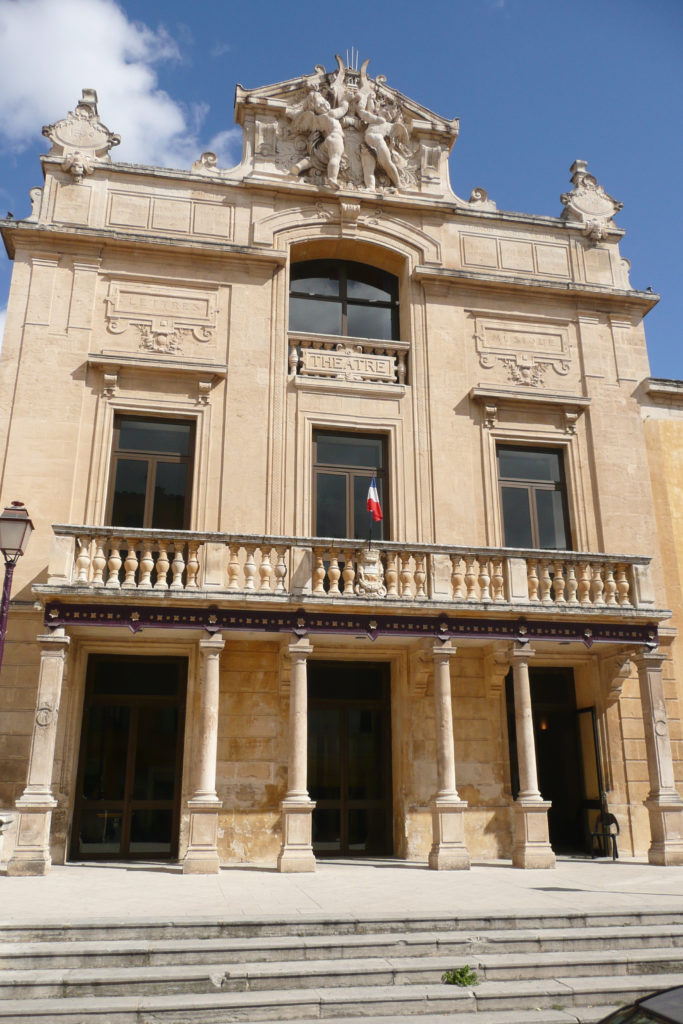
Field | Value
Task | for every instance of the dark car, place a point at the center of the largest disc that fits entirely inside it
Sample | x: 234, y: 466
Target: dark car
x: 661, y: 1008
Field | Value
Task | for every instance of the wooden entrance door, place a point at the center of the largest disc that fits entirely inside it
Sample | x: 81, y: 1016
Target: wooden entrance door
x: 130, y: 765
x: 349, y: 758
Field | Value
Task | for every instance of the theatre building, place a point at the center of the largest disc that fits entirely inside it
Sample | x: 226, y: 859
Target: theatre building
x: 214, y: 653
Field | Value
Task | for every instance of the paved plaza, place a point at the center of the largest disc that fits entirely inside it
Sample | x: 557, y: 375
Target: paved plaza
x: 343, y: 889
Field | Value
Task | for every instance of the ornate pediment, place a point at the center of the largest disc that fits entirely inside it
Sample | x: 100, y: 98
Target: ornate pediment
x: 588, y: 205
x: 80, y: 138
x: 344, y: 130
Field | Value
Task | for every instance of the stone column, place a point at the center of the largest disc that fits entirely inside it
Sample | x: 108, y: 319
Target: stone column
x: 296, y: 852
x: 202, y: 849
x: 32, y: 851
x: 532, y: 843
x: 664, y: 803
x: 448, y: 850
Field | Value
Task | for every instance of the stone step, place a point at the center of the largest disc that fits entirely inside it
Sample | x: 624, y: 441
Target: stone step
x: 298, y: 974
x: 310, y: 925
x: 559, y: 995
x: 164, y: 952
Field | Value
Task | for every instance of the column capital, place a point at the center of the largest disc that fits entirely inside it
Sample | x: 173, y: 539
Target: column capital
x: 300, y: 649
x: 54, y: 643
x: 214, y: 643
x: 649, y: 658
x: 522, y: 651
x: 443, y: 649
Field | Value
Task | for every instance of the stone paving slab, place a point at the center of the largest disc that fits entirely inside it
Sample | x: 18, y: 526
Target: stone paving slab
x: 345, y: 890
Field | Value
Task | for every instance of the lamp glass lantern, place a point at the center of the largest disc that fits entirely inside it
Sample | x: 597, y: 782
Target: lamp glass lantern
x: 15, y: 530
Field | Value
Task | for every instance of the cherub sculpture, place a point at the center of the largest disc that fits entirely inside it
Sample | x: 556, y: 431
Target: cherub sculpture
x: 316, y: 116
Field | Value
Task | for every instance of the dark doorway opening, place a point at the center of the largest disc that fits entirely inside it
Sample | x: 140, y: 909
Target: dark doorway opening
x: 349, y: 758
x: 566, y: 756
x: 130, y: 763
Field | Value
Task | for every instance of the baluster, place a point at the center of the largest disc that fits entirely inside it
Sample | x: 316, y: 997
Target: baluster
x: 98, y: 563
x: 391, y: 575
x: 497, y: 580
x: 83, y: 560
x: 146, y: 566
x: 349, y: 573
x: 233, y: 567
x: 163, y: 566
x: 457, y: 578
x: 584, y: 583
x: 265, y: 569
x: 470, y: 578
x: 545, y: 582
x: 597, y: 585
x: 610, y: 585
x: 177, y: 566
x: 249, y: 568
x: 280, y: 570
x: 558, y: 583
x: 113, y: 565
x: 318, y: 571
x: 420, y: 576
x: 130, y: 564
x: 406, y: 575
x: 572, y: 584
x: 334, y: 572
x: 401, y: 367
x: 623, y: 585
x: 192, y: 565
x: 484, y: 580
x: 532, y: 579
x: 293, y: 359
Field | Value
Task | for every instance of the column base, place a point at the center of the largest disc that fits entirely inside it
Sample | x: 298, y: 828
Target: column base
x: 202, y: 851
x: 666, y: 829
x: 32, y: 850
x: 448, y: 852
x: 296, y: 852
x: 532, y: 842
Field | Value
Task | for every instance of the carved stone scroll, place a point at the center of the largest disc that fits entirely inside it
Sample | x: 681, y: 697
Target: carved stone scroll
x: 527, y: 351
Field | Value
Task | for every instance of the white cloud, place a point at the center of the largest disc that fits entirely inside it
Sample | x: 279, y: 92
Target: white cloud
x: 50, y: 51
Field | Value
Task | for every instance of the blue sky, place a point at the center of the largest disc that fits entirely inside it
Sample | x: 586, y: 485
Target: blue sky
x: 536, y: 84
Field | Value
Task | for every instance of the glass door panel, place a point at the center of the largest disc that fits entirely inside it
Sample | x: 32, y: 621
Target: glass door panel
x: 131, y: 759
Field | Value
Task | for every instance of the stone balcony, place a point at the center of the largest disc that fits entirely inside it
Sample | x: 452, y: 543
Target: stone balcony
x: 112, y: 564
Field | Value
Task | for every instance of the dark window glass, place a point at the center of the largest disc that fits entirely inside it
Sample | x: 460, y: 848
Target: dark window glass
x: 343, y: 297
x: 341, y: 496
x: 151, y: 473
x: 517, y: 523
x: 533, y: 498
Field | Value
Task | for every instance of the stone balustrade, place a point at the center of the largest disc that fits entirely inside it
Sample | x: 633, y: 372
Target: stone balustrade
x: 109, y: 559
x: 363, y: 360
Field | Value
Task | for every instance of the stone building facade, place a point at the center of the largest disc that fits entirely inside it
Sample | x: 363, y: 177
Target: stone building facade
x: 214, y: 655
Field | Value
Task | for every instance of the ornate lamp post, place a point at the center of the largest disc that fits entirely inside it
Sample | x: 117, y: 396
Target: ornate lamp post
x: 15, y: 530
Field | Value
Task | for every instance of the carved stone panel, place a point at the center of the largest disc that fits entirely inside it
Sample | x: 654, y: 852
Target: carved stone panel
x: 161, y: 318
x: 531, y: 354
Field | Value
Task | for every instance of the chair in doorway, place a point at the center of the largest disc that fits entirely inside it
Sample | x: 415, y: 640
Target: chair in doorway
x: 604, y: 835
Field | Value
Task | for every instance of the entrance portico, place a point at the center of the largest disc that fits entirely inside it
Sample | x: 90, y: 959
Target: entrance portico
x: 246, y: 782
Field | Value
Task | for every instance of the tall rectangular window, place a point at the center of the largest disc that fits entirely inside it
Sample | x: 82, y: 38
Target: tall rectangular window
x: 533, y: 498
x: 343, y: 467
x: 151, y: 473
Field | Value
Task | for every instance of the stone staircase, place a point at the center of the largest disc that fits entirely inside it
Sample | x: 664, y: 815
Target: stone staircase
x: 550, y: 970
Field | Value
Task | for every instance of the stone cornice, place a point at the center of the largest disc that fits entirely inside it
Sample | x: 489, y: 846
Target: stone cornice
x: 15, y: 232
x: 644, y: 301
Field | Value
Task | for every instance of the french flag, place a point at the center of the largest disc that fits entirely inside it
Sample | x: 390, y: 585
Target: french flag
x: 374, y: 507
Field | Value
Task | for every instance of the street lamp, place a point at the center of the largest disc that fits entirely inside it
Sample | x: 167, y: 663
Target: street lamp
x: 15, y: 530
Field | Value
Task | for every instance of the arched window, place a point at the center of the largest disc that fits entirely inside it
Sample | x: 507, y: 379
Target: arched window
x: 343, y: 297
